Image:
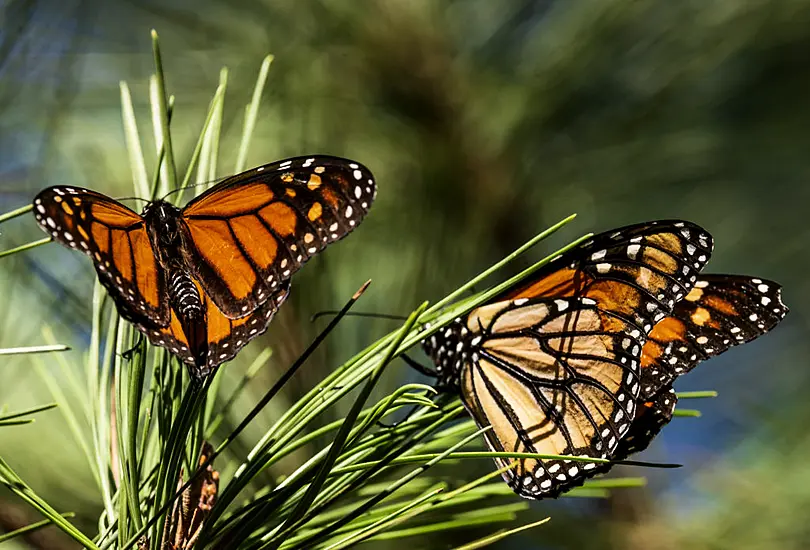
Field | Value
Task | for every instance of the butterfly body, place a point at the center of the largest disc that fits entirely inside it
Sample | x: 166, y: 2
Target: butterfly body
x: 162, y: 221
x: 163, y: 224
x: 205, y: 279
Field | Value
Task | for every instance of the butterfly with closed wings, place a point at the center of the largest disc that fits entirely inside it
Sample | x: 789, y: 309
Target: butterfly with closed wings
x: 580, y: 359
x: 204, y: 280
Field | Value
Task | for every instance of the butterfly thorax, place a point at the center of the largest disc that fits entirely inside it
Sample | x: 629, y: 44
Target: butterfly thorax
x: 450, y: 349
x: 163, y: 225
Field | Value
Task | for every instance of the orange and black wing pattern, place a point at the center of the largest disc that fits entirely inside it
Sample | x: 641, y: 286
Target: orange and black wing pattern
x: 205, y: 280
x: 639, y: 271
x: 247, y: 235
x: 116, y: 240
x: 651, y: 417
x: 550, y: 376
x: 553, y: 366
x: 226, y: 337
x: 721, y: 311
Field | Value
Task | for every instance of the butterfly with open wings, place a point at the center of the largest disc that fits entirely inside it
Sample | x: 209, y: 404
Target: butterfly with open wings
x: 204, y: 280
x: 580, y: 359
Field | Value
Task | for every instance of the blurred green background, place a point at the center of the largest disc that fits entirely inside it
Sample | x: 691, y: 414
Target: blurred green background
x: 484, y: 122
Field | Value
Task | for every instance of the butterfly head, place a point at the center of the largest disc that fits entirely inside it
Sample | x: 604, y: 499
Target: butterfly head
x: 162, y: 221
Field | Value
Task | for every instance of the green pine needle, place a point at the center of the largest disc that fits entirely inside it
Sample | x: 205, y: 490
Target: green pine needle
x: 15, y: 213
x: 28, y: 529
x: 34, y: 349
x: 24, y: 247
x: 696, y: 394
x: 486, y: 541
x: 687, y: 413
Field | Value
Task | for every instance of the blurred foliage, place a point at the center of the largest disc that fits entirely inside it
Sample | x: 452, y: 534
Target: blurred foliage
x: 483, y: 122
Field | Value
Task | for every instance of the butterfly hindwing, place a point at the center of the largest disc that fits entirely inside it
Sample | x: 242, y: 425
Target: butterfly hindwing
x: 721, y: 311
x: 550, y: 376
x: 651, y: 416
x: 116, y: 240
x: 225, y: 337
x: 249, y: 234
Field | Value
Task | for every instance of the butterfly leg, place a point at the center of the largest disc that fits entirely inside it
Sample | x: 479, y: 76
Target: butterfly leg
x: 418, y: 367
x: 131, y: 351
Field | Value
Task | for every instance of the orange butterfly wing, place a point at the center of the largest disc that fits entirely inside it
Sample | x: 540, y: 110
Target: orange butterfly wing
x: 721, y: 311
x: 116, y: 240
x: 639, y: 271
x: 225, y: 336
x: 247, y: 235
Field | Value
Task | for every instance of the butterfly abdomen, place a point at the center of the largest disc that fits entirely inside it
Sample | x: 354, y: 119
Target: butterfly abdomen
x: 162, y: 223
x: 187, y: 303
x: 184, y: 295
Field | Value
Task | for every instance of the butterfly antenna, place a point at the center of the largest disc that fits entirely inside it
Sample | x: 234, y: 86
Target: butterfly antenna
x: 419, y: 367
x: 132, y: 199
x: 189, y: 186
x: 371, y: 314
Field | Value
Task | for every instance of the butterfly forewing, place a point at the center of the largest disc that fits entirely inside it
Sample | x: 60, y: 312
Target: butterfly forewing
x: 721, y: 311
x: 551, y: 377
x: 639, y: 271
x: 249, y: 234
x: 116, y: 239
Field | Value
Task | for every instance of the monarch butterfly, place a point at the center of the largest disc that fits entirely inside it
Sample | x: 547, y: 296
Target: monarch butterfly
x: 580, y: 359
x: 204, y: 280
